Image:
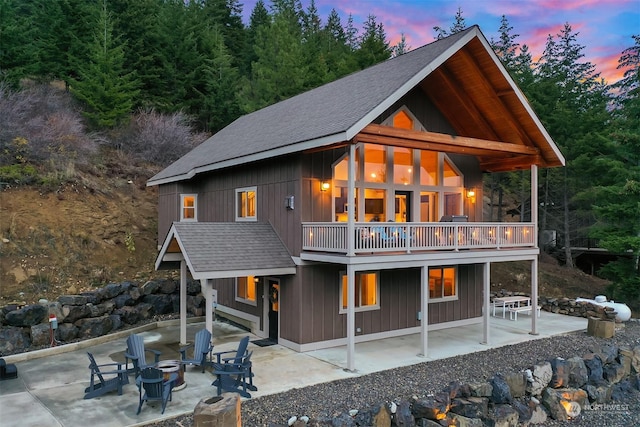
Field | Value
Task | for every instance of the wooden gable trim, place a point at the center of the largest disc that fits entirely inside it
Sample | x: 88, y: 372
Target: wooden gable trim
x: 386, y: 135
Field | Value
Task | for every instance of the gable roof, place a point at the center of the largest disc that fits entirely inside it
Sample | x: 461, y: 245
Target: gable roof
x: 218, y: 249
x: 337, y: 111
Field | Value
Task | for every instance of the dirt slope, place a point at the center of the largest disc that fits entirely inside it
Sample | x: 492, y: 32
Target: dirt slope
x: 78, y: 238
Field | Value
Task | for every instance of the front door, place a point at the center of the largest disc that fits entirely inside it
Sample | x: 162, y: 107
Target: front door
x: 403, y: 206
x: 274, y: 306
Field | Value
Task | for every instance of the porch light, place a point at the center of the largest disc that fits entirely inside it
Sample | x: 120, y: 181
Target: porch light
x: 471, y: 195
x: 324, y: 186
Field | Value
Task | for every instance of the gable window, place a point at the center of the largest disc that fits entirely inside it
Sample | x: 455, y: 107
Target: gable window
x: 246, y: 202
x: 246, y: 290
x: 188, y: 207
x: 366, y: 295
x: 443, y: 284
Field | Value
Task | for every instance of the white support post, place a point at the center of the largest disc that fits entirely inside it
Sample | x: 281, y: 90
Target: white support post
x: 351, y: 318
x: 424, y: 310
x: 534, y: 203
x: 183, y: 302
x: 208, y: 300
x: 534, y: 296
x: 486, y: 303
x: 351, y: 197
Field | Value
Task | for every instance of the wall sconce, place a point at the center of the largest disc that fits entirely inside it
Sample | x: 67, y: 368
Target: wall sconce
x: 288, y: 202
x: 256, y: 279
x: 471, y: 195
x: 324, y: 186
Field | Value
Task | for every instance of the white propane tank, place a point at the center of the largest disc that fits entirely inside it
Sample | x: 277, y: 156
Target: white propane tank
x: 623, y: 312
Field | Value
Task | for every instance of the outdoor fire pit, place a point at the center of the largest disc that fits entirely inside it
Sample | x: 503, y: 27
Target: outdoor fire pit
x: 169, y: 367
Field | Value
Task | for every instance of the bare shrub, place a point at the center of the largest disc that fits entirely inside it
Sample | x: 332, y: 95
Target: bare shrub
x: 40, y: 125
x: 159, y: 138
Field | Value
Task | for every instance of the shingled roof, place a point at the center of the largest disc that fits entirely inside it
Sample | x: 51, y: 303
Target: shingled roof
x: 328, y: 114
x: 217, y: 250
x: 337, y: 111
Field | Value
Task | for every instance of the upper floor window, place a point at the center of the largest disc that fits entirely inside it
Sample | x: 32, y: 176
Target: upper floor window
x: 443, y: 284
x: 188, y: 207
x: 402, y: 120
x: 366, y: 292
x: 246, y: 290
x: 246, y: 203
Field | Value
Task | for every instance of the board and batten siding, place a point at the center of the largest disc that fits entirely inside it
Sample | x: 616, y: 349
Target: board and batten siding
x: 317, y: 318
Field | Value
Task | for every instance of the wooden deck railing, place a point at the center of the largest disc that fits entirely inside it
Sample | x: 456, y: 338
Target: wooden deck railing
x: 410, y: 237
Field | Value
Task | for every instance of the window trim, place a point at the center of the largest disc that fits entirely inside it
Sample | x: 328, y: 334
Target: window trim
x: 237, y: 207
x: 245, y: 300
x: 195, y: 207
x: 454, y: 297
x: 375, y: 306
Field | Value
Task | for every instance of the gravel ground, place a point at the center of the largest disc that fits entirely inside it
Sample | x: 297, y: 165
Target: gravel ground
x: 431, y: 377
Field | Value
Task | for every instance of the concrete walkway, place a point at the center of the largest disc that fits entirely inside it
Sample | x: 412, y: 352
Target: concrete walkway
x: 50, y: 386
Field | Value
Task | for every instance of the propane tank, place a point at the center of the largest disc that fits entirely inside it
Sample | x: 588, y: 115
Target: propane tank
x: 623, y: 312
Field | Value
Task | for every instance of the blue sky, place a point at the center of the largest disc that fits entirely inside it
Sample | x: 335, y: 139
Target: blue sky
x: 605, y: 27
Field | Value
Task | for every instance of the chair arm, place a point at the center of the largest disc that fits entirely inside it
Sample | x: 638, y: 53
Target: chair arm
x: 220, y: 353
x: 156, y: 354
x: 183, y: 350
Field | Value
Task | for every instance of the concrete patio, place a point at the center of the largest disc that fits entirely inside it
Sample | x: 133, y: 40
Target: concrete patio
x: 50, y: 387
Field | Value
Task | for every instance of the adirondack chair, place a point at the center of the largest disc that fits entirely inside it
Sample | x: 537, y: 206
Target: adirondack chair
x: 136, y: 352
x: 8, y: 371
x: 202, y: 349
x: 99, y: 385
x: 234, y: 373
x: 153, y: 386
x: 235, y: 376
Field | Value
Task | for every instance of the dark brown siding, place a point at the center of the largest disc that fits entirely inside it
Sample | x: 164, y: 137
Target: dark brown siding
x: 320, y: 320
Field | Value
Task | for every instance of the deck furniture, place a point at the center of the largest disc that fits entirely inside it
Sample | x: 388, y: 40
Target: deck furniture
x: 202, y: 349
x: 8, y: 371
x: 526, y: 309
x: 136, y: 353
x: 99, y: 384
x: 507, y: 303
x: 235, y: 376
x: 153, y: 386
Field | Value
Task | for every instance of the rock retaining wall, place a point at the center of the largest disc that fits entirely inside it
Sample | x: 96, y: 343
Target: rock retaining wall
x: 93, y: 314
x: 557, y: 389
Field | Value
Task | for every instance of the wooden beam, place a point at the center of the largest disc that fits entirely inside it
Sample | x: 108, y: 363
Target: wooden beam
x: 511, y: 163
x: 387, y: 135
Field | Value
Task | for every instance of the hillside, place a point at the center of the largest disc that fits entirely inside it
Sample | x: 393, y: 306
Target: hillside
x: 104, y: 229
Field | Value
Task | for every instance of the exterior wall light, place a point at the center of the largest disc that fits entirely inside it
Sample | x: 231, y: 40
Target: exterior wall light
x: 471, y: 195
x: 324, y: 186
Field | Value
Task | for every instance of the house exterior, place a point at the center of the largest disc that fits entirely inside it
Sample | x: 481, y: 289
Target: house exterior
x: 353, y: 211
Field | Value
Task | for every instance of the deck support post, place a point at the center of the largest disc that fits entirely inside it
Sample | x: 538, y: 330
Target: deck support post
x: 351, y: 204
x: 351, y: 318
x: 207, y: 290
x: 486, y: 303
x: 424, y: 311
x: 534, y: 296
x: 183, y: 302
x: 534, y: 264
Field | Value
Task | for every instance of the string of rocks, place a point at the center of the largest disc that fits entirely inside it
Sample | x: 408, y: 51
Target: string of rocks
x: 557, y: 389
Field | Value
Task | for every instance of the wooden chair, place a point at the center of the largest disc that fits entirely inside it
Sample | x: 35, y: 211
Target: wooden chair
x: 99, y: 385
x: 202, y: 349
x: 235, y: 376
x: 153, y: 386
x: 136, y: 352
x: 234, y: 373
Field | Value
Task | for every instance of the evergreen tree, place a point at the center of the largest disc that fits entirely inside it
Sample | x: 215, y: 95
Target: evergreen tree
x: 337, y: 54
x: 259, y: 17
x: 16, y: 46
x: 457, y: 26
x: 374, y: 46
x: 402, y: 47
x: 102, y: 85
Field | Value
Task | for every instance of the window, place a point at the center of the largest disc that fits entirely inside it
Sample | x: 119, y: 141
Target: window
x: 188, y: 205
x: 246, y: 290
x: 246, y: 204
x: 402, y: 120
x: 443, y: 284
x: 366, y: 292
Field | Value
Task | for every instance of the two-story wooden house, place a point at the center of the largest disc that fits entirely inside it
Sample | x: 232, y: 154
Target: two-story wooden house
x: 353, y: 211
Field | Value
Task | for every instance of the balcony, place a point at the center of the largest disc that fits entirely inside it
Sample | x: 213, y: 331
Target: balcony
x: 412, y: 237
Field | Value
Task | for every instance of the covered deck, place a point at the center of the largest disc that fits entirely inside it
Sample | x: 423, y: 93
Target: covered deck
x: 393, y: 237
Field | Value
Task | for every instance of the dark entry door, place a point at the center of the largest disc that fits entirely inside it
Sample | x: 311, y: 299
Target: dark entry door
x: 403, y: 206
x: 274, y: 307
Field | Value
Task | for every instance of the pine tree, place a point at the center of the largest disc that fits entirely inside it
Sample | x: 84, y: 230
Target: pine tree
x: 457, y: 26
x: 374, y: 46
x: 102, y: 85
x: 402, y: 47
x: 16, y: 42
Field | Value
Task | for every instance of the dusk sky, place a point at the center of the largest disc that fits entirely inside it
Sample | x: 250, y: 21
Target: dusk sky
x: 605, y: 27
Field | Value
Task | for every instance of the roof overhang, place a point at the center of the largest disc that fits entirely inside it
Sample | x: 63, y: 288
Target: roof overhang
x: 209, y: 252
